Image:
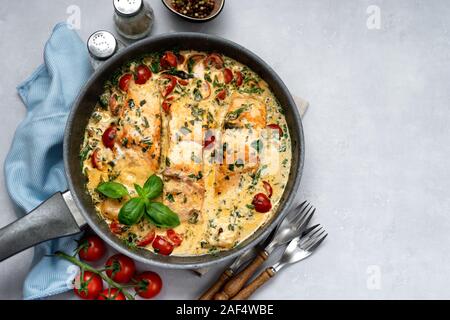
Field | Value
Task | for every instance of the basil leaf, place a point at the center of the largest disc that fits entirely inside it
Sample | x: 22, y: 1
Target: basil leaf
x: 140, y: 191
x: 153, y: 187
x: 161, y: 215
x: 112, y: 190
x: 132, y: 211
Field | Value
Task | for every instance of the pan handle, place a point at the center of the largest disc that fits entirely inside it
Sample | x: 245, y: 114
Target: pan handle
x: 52, y: 219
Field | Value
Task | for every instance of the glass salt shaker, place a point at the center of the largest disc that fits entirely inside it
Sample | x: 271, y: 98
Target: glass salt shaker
x: 133, y: 18
x: 102, y: 45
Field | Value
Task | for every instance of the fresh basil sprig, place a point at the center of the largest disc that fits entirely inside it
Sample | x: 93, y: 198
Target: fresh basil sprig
x: 134, y: 209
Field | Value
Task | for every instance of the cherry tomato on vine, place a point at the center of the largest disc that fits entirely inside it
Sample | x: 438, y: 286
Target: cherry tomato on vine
x: 88, y: 285
x: 148, y: 284
x: 111, y: 294
x: 120, y: 268
x: 91, y: 248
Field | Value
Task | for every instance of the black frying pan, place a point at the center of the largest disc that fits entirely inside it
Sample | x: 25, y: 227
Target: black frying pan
x: 66, y: 213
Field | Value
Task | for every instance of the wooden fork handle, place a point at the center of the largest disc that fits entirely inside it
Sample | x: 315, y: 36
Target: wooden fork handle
x: 245, y: 293
x: 209, y: 294
x: 238, y: 281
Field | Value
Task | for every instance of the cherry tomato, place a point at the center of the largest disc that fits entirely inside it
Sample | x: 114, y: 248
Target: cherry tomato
x: 162, y: 246
x: 116, y: 227
x: 222, y: 95
x: 209, y: 140
x: 148, y: 284
x: 170, y: 86
x: 147, y: 239
x: 174, y: 237
x: 120, y: 268
x: 168, y: 60
x: 214, y: 60
x: 166, y: 104
x: 268, y: 188
x: 92, y: 248
x: 227, y: 75
x: 124, y: 81
x: 261, y: 203
x: 183, y: 82
x: 274, y: 126
x: 88, y: 285
x: 111, y: 294
x: 239, y: 78
x: 109, y: 137
x: 143, y: 73
x: 95, y: 160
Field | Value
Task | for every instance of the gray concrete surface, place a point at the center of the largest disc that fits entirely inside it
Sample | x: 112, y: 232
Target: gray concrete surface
x: 377, y: 133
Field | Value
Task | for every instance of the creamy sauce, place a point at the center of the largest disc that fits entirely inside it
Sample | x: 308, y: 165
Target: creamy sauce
x: 211, y: 188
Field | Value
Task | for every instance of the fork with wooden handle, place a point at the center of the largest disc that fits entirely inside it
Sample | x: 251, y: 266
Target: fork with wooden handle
x: 297, y: 250
x: 294, y: 226
x: 227, y: 274
x: 239, y: 262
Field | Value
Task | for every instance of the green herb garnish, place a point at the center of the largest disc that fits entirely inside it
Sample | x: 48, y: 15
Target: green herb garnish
x: 113, y: 190
x: 135, y: 208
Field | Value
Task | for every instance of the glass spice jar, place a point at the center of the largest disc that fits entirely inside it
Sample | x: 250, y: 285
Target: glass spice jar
x: 133, y: 19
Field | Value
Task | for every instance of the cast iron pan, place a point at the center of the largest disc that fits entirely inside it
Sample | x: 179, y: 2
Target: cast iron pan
x: 64, y: 213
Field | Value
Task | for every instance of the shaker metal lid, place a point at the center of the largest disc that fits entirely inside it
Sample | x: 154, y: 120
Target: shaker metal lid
x: 102, y: 44
x: 127, y: 7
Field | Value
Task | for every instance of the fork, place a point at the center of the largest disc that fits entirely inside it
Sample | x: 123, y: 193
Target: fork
x: 292, y: 227
x: 291, y: 217
x: 298, y: 249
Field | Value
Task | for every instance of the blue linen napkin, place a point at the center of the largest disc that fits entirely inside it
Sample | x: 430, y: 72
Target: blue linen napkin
x: 34, y: 168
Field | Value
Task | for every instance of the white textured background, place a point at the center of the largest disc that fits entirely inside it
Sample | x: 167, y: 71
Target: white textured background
x: 377, y: 133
